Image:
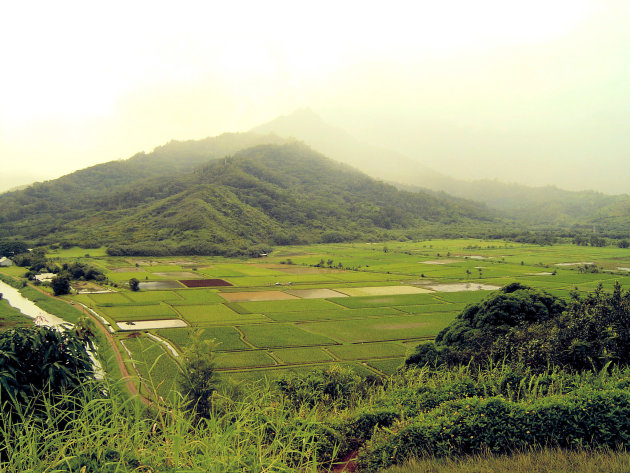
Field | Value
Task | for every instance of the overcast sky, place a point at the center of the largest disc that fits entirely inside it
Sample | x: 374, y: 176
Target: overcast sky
x: 529, y: 91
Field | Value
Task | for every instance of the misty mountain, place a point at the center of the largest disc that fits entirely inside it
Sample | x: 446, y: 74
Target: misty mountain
x: 530, y: 205
x: 266, y: 194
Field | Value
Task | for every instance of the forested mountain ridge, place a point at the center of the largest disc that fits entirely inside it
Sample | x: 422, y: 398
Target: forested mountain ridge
x: 546, y: 206
x: 267, y: 194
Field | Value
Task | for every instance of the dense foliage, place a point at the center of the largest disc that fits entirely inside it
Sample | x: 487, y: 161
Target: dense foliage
x: 42, y: 360
x: 520, y: 324
x: 265, y: 195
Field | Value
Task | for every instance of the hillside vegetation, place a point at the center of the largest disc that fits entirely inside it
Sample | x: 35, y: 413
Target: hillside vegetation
x: 264, y: 195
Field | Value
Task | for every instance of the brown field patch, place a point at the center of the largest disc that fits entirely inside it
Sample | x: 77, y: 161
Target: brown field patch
x: 88, y: 286
x: 204, y: 282
x: 130, y: 269
x: 256, y: 296
x: 315, y: 293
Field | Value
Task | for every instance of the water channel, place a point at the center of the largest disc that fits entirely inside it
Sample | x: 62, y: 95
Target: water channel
x: 40, y: 316
x: 28, y: 307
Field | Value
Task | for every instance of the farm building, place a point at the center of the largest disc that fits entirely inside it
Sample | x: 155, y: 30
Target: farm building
x: 4, y: 262
x: 44, y: 277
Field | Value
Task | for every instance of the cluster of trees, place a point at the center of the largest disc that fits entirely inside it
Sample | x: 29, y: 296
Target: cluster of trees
x: 524, y: 325
x: 593, y: 240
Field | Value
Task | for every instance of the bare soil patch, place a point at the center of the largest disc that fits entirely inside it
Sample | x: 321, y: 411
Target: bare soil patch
x: 130, y: 269
x: 462, y: 287
x: 88, y: 287
x: 382, y: 291
x: 178, y: 274
x: 256, y: 296
x: 157, y: 285
x: 316, y: 293
x: 151, y: 324
x: 204, y: 282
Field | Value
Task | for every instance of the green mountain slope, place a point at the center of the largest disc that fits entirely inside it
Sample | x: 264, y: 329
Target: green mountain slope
x: 268, y: 194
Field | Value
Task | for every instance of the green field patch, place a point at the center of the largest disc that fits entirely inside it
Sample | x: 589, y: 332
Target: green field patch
x: 227, y: 338
x: 302, y: 355
x: 157, y: 370
x: 126, y: 276
x: 162, y: 268
x: 431, y: 308
x: 294, y: 305
x: 140, y: 312
x: 76, y: 252
x: 11, y: 317
x: 197, y: 297
x: 363, y: 351
x: 243, y: 359
x: 282, y: 335
x: 246, y: 269
x: 273, y: 374
x: 213, y: 314
x: 15, y: 271
x: 314, y: 315
x: 544, y: 283
x: 387, y: 367
x: 109, y: 298
x: 220, y: 271
x: 251, y: 296
x: 383, y: 329
x: 360, y: 276
x: 83, y: 299
x: 153, y: 296
x: 383, y: 301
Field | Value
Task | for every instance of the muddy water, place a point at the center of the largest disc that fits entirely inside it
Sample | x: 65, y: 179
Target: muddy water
x: 29, y: 308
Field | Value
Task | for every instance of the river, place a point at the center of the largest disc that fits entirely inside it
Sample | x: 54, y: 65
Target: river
x: 41, y: 317
x: 28, y: 307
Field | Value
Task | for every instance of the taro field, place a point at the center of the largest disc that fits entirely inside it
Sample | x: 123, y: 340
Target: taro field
x: 363, y: 305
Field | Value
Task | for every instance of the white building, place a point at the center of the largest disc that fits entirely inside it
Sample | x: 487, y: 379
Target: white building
x: 45, y: 277
x: 4, y: 262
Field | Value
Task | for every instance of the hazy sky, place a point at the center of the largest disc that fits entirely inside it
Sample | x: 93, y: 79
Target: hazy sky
x: 531, y: 91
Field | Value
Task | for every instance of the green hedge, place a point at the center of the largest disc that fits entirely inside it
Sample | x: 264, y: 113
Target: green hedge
x: 583, y: 418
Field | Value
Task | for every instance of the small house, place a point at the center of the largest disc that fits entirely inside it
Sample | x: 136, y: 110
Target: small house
x: 4, y: 262
x: 45, y: 277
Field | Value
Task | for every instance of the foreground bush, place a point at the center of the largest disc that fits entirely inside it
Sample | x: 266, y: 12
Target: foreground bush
x: 588, y: 417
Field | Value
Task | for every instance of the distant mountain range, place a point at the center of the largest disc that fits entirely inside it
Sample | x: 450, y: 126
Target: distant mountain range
x: 235, y: 192
x: 530, y: 205
x: 245, y: 194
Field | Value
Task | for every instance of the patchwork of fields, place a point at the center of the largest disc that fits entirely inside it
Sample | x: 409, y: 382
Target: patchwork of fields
x: 362, y: 305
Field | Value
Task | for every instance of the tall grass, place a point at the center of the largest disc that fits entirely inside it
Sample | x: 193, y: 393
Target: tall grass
x: 257, y: 433
x: 540, y: 461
